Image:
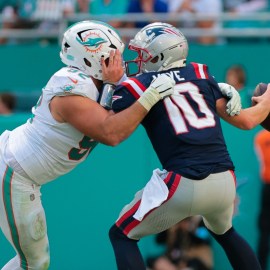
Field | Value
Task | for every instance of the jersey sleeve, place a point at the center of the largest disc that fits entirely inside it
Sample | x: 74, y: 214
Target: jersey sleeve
x: 201, y: 72
x: 122, y: 98
x: 213, y: 83
x: 127, y: 93
x: 216, y: 90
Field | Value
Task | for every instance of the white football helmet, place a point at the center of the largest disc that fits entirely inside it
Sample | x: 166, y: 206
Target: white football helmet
x: 85, y: 42
x: 160, y: 46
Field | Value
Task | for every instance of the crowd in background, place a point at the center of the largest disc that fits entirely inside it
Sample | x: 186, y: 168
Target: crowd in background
x: 47, y: 14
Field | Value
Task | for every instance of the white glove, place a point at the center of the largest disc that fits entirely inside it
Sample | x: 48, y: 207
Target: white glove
x: 160, y: 87
x: 234, y: 105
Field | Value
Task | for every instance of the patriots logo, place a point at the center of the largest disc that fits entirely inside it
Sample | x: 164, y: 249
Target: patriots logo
x: 157, y: 31
x: 116, y: 97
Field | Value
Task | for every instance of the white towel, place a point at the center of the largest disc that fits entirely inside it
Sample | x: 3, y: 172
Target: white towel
x: 154, y: 194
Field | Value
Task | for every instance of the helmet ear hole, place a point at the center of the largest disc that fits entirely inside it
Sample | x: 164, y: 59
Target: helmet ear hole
x: 87, y: 62
x: 155, y: 59
x: 66, y: 45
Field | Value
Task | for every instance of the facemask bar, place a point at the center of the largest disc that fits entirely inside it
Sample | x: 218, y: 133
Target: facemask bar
x: 143, y: 57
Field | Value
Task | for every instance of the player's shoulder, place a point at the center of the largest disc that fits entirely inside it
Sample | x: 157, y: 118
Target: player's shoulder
x: 144, y: 78
x: 68, y: 74
x: 136, y: 85
x: 72, y: 81
x: 201, y: 71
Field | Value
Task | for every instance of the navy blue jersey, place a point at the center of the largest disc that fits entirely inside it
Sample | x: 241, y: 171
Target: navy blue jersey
x: 184, y: 129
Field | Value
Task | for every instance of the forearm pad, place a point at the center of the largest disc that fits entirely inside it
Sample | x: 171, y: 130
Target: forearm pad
x: 106, y: 96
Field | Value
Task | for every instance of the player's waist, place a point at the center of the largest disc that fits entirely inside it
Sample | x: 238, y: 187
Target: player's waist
x: 200, y: 172
x: 37, y: 162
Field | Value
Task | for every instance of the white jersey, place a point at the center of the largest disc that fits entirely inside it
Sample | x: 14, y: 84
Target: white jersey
x: 44, y: 148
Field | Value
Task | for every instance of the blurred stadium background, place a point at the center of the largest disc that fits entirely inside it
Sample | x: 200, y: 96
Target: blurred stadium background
x: 81, y: 206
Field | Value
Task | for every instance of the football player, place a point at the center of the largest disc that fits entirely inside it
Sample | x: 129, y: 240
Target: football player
x: 185, y: 130
x: 66, y: 124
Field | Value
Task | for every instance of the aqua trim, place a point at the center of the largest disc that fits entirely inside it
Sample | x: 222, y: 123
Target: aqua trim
x: 70, y: 57
x: 7, y: 197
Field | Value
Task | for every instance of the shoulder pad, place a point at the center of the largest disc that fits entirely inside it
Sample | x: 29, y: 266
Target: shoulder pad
x: 69, y: 81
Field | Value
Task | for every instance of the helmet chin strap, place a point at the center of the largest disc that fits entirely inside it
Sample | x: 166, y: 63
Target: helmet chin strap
x: 176, y: 64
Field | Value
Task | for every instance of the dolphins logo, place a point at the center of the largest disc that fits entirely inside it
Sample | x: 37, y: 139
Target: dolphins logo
x: 92, y: 43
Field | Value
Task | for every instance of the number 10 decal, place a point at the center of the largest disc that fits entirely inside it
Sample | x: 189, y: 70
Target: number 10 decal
x: 180, y: 111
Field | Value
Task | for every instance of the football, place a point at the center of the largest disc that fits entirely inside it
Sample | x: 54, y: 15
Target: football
x: 259, y: 90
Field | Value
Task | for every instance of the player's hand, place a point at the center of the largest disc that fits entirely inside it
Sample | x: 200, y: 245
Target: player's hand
x: 234, y: 105
x: 265, y: 97
x: 160, y: 87
x: 163, y: 85
x: 112, y: 69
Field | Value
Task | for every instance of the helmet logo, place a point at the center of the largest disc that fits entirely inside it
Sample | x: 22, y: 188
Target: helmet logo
x: 92, y: 42
x: 154, y: 32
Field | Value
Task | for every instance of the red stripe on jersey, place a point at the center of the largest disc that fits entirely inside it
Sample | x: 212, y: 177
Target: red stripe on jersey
x: 196, y: 68
x: 131, y: 89
x: 205, y: 71
x: 140, y: 85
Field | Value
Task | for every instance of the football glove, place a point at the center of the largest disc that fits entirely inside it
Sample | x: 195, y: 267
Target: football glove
x: 160, y: 87
x: 234, y: 105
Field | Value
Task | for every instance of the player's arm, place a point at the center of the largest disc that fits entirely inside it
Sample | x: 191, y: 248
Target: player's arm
x: 104, y: 126
x: 94, y: 121
x: 250, y: 117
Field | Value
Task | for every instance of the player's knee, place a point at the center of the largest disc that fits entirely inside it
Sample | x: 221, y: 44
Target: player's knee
x: 41, y: 263
x: 38, y: 227
x: 221, y: 236
x: 46, y: 264
x: 116, y: 234
x: 217, y: 227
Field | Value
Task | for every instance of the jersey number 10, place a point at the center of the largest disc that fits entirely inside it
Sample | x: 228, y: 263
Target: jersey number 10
x: 179, y: 109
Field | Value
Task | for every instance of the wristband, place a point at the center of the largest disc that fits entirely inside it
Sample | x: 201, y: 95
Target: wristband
x: 149, y: 98
x: 106, y: 96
